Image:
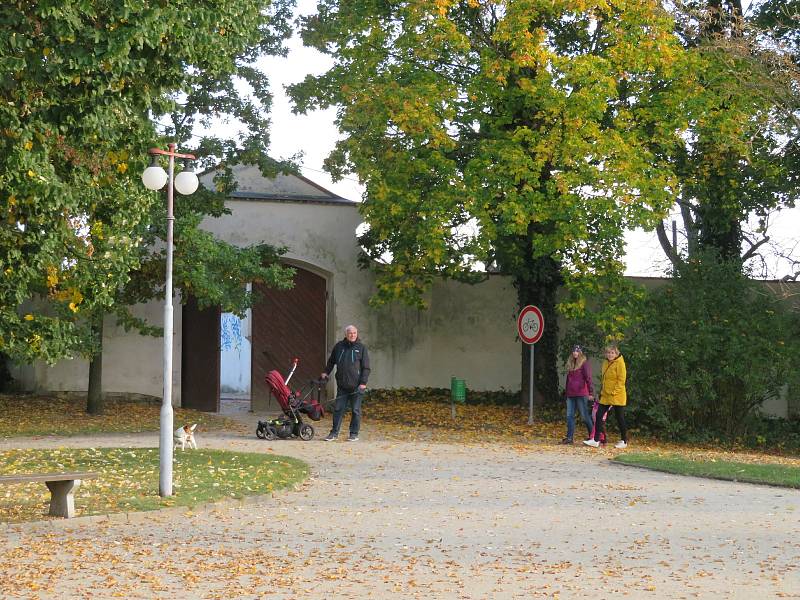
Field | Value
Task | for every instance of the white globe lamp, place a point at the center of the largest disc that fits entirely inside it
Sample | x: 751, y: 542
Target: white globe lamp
x: 154, y: 177
x: 186, y: 182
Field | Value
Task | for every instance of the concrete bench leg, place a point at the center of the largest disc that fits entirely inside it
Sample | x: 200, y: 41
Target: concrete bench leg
x: 62, y: 501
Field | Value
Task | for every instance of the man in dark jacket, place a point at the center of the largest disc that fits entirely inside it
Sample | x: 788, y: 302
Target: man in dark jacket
x: 351, y: 359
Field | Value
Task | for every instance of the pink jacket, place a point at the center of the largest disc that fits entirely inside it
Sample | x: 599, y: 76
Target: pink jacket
x: 579, y: 381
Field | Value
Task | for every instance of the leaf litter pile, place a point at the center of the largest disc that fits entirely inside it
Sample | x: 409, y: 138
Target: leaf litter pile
x: 128, y: 479
x: 49, y: 415
x: 427, y: 415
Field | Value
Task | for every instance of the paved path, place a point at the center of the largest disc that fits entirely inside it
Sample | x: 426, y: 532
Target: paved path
x: 385, y: 519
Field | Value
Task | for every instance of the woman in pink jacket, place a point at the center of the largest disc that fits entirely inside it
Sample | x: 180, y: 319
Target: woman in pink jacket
x: 579, y: 391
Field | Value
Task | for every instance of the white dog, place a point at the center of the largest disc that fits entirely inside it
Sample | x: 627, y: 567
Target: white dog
x: 185, y: 435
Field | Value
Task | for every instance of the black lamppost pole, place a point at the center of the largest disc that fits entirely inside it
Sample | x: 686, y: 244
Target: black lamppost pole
x: 186, y: 183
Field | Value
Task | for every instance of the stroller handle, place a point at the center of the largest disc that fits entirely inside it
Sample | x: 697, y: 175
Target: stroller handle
x: 294, y: 367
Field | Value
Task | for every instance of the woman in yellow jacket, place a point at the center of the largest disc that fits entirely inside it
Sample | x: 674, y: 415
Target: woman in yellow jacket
x: 613, y: 374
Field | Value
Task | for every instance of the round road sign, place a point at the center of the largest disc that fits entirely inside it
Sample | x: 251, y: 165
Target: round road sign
x: 530, y: 324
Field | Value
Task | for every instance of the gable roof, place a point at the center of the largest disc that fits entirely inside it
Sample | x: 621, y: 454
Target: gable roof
x: 252, y: 185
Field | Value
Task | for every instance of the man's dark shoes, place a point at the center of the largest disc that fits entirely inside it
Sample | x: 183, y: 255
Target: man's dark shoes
x: 352, y: 438
x: 331, y: 437
x: 566, y: 441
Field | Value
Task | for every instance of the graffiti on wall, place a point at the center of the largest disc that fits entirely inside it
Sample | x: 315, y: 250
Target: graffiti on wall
x: 231, y: 338
x: 235, y: 354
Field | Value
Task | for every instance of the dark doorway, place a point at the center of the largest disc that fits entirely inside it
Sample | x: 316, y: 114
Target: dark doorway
x: 200, y: 357
x: 286, y: 325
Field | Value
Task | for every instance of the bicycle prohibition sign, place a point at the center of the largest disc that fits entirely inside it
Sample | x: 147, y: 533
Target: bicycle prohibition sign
x: 530, y: 327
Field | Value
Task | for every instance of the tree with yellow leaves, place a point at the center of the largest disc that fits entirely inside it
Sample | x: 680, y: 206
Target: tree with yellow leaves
x: 516, y: 134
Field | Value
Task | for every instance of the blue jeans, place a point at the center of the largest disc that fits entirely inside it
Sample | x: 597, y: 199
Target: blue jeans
x: 583, y: 408
x: 343, y: 397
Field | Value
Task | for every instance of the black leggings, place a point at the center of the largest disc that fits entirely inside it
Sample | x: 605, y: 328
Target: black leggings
x: 600, y: 423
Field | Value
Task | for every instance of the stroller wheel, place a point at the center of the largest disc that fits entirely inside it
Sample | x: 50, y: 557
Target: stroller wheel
x: 306, y: 432
x: 265, y: 432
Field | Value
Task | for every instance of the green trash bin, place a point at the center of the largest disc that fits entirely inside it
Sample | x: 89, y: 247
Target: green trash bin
x: 458, y: 390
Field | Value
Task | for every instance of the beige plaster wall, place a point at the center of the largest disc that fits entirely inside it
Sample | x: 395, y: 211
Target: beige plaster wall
x: 468, y: 331
x: 132, y: 363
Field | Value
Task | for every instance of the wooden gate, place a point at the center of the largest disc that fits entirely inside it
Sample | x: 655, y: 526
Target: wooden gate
x: 288, y: 324
x: 200, y: 357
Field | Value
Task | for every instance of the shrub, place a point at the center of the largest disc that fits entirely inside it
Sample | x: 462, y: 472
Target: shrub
x: 499, y: 398
x: 709, y: 349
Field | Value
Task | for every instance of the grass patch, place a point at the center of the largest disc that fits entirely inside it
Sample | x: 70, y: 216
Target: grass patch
x: 128, y: 479
x: 47, y: 415
x: 770, y: 474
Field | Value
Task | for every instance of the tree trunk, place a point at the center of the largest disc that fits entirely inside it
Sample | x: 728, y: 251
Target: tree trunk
x: 539, y: 289
x: 6, y: 381
x: 720, y: 223
x: 94, y: 399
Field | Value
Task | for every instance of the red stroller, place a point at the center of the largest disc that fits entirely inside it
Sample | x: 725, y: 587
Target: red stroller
x: 294, y: 404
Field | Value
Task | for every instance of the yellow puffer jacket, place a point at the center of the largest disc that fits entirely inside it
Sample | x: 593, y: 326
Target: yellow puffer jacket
x: 614, y: 375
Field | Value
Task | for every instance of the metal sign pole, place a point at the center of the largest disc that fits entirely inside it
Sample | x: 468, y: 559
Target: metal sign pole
x: 530, y: 326
x: 530, y: 390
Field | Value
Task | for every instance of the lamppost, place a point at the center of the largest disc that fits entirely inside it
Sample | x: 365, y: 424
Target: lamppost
x: 186, y: 183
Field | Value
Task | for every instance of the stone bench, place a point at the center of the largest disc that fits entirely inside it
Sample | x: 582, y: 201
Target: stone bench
x: 61, y: 486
